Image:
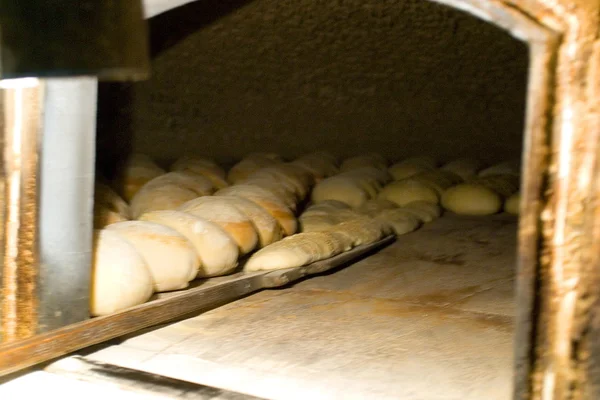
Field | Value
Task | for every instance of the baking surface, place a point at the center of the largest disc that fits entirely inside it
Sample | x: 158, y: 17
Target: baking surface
x: 429, y: 317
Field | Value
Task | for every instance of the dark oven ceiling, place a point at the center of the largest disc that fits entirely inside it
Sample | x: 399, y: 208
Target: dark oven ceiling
x: 398, y: 77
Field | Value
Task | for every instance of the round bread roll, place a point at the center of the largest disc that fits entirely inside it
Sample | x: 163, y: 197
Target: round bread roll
x: 511, y: 167
x: 434, y: 210
x: 261, y: 155
x: 265, y: 224
x: 246, y: 167
x: 169, y: 191
x: 406, y: 169
x: 342, y: 189
x: 206, y: 168
x: 167, y: 197
x: 513, y: 203
x: 170, y: 257
x: 366, y: 160
x: 464, y: 167
x: 138, y: 170
x: 408, y: 190
x: 298, y: 181
x: 217, y: 250
x: 284, y: 193
x: 399, y: 221
x: 228, y: 217
x: 368, y: 178
x: 120, y: 276
x: 271, y: 203
x: 470, y: 199
x: 422, y: 211
x: 438, y: 179
x: 106, y: 198
x: 321, y: 165
x: 104, y: 217
x: 504, y: 185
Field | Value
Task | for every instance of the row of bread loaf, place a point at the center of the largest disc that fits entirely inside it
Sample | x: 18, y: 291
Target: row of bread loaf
x: 461, y: 186
x: 345, y: 212
x: 190, y: 223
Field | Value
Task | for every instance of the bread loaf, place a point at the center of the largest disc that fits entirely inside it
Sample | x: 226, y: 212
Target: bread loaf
x: 513, y: 204
x: 120, y: 277
x: 408, y: 190
x: 138, y: 170
x: 464, y: 167
x: 271, y: 203
x: 104, y: 217
x: 169, y: 191
x: 340, y: 188
x: 170, y: 257
x: 217, y: 250
x: 471, y: 199
x: 206, y: 168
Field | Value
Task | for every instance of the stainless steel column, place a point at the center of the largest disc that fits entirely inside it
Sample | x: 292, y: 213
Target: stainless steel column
x: 66, y: 201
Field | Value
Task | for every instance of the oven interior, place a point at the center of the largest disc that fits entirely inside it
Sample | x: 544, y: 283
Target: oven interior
x: 429, y: 316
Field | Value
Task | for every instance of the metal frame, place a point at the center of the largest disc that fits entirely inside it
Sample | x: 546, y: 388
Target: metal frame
x: 559, y: 234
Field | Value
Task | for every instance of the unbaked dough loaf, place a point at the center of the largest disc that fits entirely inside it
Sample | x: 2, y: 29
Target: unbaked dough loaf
x: 513, y: 204
x: 228, y: 217
x: 466, y: 168
x: 204, y: 167
x: 120, y: 276
x: 217, y: 250
x: 408, y: 190
x: 340, y: 188
x: 471, y: 199
x: 170, y: 257
x: 271, y: 203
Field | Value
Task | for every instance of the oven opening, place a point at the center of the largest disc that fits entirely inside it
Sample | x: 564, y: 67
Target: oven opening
x: 325, y: 196
x: 432, y: 97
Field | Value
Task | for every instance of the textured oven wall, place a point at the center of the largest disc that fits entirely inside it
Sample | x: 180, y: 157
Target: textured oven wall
x: 290, y: 76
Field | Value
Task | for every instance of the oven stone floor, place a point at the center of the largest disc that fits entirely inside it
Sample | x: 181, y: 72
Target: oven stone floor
x: 429, y: 317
